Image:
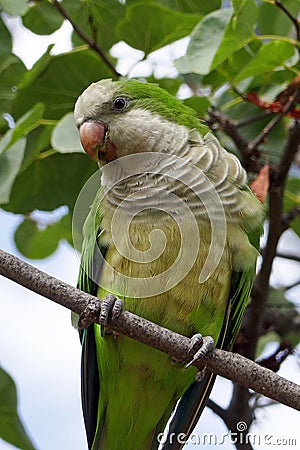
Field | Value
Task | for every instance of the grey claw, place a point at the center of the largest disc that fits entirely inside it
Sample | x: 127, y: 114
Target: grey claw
x: 196, y: 343
x: 111, y: 308
x: 203, y: 346
x: 117, y: 308
x: 200, y: 375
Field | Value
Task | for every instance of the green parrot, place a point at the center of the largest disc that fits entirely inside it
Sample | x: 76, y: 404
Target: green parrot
x: 173, y: 232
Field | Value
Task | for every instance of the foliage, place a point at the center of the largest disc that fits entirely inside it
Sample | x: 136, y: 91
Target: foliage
x: 11, y: 427
x: 232, y: 52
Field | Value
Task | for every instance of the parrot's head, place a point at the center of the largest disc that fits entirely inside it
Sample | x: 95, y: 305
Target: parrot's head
x: 118, y: 118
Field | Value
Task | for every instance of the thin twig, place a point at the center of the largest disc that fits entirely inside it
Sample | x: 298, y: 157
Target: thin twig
x: 249, y: 120
x: 292, y: 285
x: 291, y: 17
x: 288, y: 155
x: 229, y: 365
x: 92, y: 44
x: 289, y: 256
x: 293, y: 100
x: 291, y: 215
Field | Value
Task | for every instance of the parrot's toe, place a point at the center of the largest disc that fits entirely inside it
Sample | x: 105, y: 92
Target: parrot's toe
x: 201, y: 346
x: 111, y: 308
x: 200, y: 375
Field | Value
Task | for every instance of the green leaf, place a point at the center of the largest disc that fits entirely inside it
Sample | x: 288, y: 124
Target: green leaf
x: 204, y: 43
x: 239, y: 31
x: 50, y: 182
x: 284, y: 312
x: 38, y: 141
x: 280, y: 24
x: 15, y: 7
x: 192, y: 6
x: 65, y: 136
x: 278, y: 301
x: 97, y: 19
x: 229, y: 69
x: 169, y: 84
x: 10, y: 163
x: 36, y: 243
x: 24, y: 125
x: 270, y: 56
x: 269, y: 81
x: 28, y: 122
x: 160, y: 26
x: 264, y: 340
x: 57, y: 82
x: 291, y: 200
x: 11, y: 69
x: 5, y: 40
x: 43, y: 18
x: 199, y: 104
x: 11, y: 427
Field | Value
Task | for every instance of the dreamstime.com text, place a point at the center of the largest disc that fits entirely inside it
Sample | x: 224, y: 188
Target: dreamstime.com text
x: 240, y: 436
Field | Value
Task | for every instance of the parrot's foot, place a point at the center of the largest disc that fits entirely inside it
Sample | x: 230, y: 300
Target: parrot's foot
x: 111, y: 308
x: 200, y: 346
x: 200, y: 375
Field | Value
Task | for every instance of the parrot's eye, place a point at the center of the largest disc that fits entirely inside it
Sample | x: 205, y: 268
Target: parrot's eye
x: 120, y: 103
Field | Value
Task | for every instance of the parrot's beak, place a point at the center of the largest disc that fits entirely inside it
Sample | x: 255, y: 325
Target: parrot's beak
x: 94, y: 137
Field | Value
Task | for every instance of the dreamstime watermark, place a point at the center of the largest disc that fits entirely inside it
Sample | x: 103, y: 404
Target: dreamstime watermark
x: 134, y: 188
x: 241, y: 436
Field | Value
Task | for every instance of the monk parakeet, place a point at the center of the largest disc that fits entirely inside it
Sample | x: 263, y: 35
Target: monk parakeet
x: 173, y: 232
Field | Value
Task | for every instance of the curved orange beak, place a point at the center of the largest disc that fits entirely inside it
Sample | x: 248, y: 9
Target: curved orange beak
x: 92, y: 136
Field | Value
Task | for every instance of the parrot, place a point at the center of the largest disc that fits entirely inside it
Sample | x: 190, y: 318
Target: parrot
x: 172, y: 235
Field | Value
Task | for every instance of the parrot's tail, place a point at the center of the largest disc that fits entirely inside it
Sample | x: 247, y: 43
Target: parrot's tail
x: 152, y: 442
x: 96, y: 428
x: 188, y: 412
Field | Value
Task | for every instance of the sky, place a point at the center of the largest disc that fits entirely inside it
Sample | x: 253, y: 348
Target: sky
x: 41, y: 350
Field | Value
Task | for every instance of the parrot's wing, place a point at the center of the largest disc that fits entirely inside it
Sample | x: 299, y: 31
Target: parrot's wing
x: 192, y: 403
x: 92, y: 258
x: 90, y: 385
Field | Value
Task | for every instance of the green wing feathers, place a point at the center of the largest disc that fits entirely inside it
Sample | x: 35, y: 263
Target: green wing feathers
x: 192, y: 403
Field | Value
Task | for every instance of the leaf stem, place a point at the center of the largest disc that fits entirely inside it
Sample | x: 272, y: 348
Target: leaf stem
x: 293, y: 100
x: 92, y: 44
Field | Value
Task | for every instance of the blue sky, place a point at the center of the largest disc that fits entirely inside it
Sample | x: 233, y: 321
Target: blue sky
x: 41, y: 351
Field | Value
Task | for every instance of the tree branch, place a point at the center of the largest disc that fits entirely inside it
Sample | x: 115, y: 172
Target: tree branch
x: 249, y: 157
x: 260, y: 289
x: 92, y: 43
x: 229, y: 365
x: 288, y: 154
x: 217, y: 409
x: 249, y: 120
